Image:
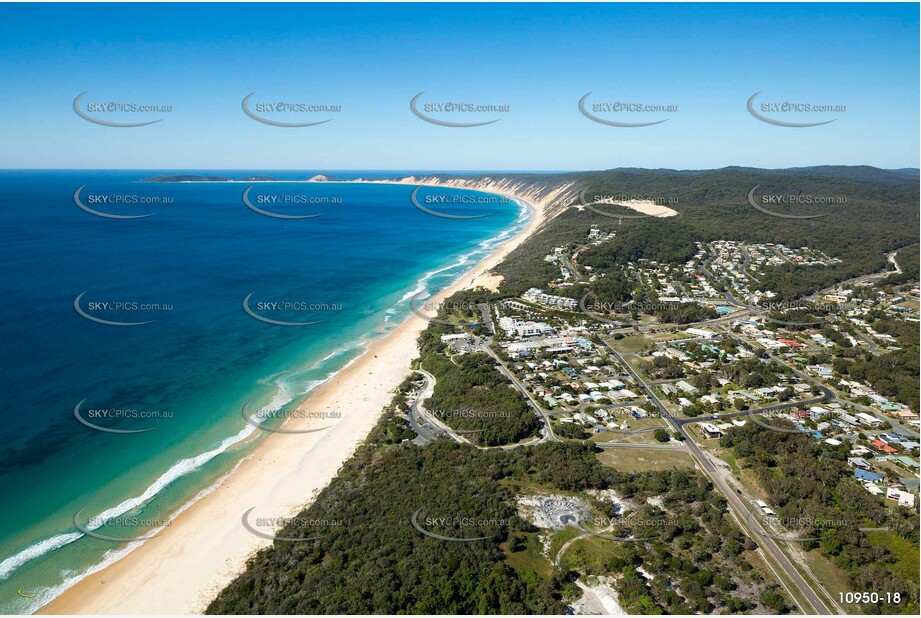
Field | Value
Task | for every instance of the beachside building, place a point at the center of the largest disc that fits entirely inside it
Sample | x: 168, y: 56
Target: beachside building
x: 536, y: 295
x: 455, y: 337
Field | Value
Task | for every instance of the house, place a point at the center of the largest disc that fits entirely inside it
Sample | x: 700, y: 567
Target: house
x: 864, y: 475
x: 868, y: 420
x: 686, y: 387
x: 882, y: 446
x: 906, y: 461
x: 675, y: 354
x: 710, y: 430
x: 850, y: 420
x: 902, y: 497
x: 859, y: 463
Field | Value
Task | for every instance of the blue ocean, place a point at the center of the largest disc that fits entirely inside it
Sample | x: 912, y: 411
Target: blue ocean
x: 139, y: 318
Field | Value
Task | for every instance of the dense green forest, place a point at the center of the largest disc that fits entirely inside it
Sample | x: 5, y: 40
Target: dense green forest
x: 811, y: 482
x: 377, y: 562
x: 908, y: 259
x: 470, y: 394
x: 881, y: 214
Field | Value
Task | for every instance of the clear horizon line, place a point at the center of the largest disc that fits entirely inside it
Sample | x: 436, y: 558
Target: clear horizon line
x: 447, y: 171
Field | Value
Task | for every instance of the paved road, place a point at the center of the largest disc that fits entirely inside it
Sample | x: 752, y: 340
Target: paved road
x: 547, y: 430
x: 751, y: 412
x: 426, y: 432
x: 568, y: 263
x: 828, y: 393
x: 762, y: 538
x: 744, y: 515
x: 425, y: 424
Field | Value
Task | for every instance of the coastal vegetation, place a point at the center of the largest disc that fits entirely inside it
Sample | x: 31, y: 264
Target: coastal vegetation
x: 694, y: 558
x: 440, y: 527
x: 811, y: 484
x: 676, y: 550
x: 880, y: 215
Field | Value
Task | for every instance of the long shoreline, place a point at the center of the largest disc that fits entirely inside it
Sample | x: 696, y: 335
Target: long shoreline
x: 206, y: 546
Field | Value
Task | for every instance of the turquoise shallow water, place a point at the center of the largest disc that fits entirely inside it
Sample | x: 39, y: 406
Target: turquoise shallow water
x: 185, y: 374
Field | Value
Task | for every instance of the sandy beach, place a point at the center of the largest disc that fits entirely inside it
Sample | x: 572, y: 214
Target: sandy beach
x: 181, y: 570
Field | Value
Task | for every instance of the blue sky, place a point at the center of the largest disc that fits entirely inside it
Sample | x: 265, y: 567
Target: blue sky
x: 538, y: 59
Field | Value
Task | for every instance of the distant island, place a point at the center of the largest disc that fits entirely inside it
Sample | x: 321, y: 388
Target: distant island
x: 197, y: 178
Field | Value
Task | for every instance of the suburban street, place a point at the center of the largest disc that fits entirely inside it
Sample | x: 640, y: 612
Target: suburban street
x: 743, y: 515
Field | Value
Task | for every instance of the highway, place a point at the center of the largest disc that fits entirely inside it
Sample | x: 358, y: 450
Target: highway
x: 743, y: 515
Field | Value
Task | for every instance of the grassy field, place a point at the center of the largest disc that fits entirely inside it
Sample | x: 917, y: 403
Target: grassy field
x: 560, y: 538
x: 669, y: 336
x: 525, y: 560
x: 631, y: 344
x: 588, y: 555
x: 905, y: 553
x: 640, y: 460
